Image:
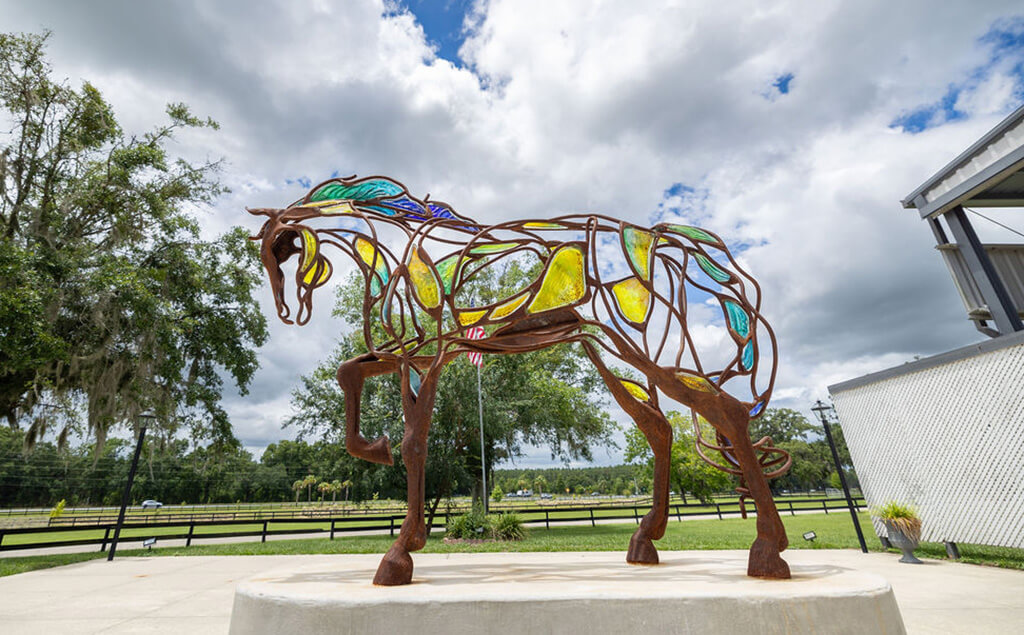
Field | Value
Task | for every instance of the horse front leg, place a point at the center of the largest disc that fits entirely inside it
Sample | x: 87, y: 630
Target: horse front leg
x: 351, y: 376
x: 396, y: 566
x: 764, y: 560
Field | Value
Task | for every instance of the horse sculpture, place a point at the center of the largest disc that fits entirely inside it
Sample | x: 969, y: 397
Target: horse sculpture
x: 419, y: 259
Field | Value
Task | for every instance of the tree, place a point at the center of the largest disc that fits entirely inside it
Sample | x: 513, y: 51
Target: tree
x: 110, y: 303
x: 782, y: 425
x: 309, y: 482
x: 497, y: 494
x: 298, y: 486
x: 346, y: 484
x: 324, y: 488
x: 539, y: 483
x: 688, y: 473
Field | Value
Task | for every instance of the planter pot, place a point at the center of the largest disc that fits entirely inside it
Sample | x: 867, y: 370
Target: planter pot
x: 903, y: 542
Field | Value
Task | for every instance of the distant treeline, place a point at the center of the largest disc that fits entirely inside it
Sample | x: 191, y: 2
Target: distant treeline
x: 617, y: 479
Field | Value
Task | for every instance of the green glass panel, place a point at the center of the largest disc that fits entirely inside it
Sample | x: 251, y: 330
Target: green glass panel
x: 639, y: 245
x: 695, y: 233
x: 633, y: 299
x: 369, y: 189
x: 713, y: 270
x: 414, y: 381
x: 492, y: 248
x: 563, y: 282
x: 738, y: 318
x: 424, y: 281
x: 446, y: 268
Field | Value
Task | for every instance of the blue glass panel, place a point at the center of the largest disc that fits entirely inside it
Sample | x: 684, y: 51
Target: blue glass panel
x: 738, y: 318
x: 414, y: 381
x: 748, y: 355
x: 405, y: 204
x: 387, y: 211
x: 756, y: 410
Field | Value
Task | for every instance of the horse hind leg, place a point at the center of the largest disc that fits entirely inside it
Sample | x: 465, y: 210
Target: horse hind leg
x: 764, y: 560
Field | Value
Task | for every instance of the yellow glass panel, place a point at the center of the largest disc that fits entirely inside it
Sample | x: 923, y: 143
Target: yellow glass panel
x: 696, y: 382
x: 424, y: 281
x: 635, y: 390
x: 563, y: 282
x: 469, y: 317
x: 373, y: 258
x: 633, y: 298
x: 308, y: 248
x: 311, y: 276
x: 332, y: 207
x: 543, y: 226
x: 639, y: 245
x: 509, y: 307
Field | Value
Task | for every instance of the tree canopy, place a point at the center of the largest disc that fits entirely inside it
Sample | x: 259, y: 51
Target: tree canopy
x: 110, y: 302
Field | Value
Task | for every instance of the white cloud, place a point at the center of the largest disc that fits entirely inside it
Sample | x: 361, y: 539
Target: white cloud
x: 591, y: 107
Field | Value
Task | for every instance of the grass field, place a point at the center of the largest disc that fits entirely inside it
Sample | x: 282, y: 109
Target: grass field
x: 834, y: 531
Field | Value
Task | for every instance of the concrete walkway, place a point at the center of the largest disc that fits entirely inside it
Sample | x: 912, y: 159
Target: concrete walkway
x: 194, y: 594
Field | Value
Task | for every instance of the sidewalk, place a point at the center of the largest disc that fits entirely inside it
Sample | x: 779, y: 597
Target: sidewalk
x: 194, y: 594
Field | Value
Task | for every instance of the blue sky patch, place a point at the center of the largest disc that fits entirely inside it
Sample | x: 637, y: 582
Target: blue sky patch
x: 781, y: 83
x: 1005, y: 41
x: 442, y: 22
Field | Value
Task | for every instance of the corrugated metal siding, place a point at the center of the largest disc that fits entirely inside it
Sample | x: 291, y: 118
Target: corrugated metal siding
x: 948, y: 439
x: 1003, y: 145
x: 1009, y: 263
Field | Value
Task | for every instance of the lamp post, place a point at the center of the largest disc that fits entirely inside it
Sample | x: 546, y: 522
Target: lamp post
x: 822, y: 411
x: 128, y: 486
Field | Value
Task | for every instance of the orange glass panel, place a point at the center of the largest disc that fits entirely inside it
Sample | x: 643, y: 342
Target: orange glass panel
x: 509, y: 307
x: 424, y: 281
x: 633, y: 299
x: 563, y: 282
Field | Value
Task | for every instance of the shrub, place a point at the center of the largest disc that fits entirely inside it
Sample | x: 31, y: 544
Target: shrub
x: 58, y: 509
x: 474, y: 525
x: 497, y: 494
x: 902, y: 517
x: 509, y: 527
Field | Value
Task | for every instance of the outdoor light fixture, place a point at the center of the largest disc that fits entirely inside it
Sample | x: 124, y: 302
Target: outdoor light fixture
x: 826, y: 413
x: 809, y: 536
x: 149, y: 542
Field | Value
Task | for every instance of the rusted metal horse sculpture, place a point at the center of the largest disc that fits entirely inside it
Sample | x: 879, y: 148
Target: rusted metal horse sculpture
x: 630, y: 304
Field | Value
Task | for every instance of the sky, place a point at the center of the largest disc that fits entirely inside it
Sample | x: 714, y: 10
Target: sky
x: 793, y: 129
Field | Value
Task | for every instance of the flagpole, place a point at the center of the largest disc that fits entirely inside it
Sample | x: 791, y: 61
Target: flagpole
x: 483, y: 462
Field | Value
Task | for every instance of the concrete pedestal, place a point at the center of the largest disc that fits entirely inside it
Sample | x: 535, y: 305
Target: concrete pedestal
x: 586, y: 593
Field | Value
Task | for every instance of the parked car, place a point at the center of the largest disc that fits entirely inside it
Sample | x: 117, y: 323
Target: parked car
x: 546, y: 495
x: 151, y: 504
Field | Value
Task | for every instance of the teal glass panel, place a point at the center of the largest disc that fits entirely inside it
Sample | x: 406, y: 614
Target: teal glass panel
x: 695, y: 233
x: 738, y: 318
x: 414, y: 381
x: 748, y: 355
x: 364, y: 190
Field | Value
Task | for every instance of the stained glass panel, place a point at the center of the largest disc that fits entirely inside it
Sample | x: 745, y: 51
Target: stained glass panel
x: 424, y: 281
x: 696, y: 382
x: 635, y: 389
x: 542, y: 225
x: 361, y: 191
x: 633, y: 299
x: 738, y: 318
x: 414, y: 381
x: 639, y: 245
x: 713, y: 270
x: 507, y: 308
x: 695, y: 233
x: 469, y: 317
x: 748, y: 355
x: 492, y: 248
x: 308, y: 249
x: 563, y: 282
x: 374, y: 259
x: 446, y: 268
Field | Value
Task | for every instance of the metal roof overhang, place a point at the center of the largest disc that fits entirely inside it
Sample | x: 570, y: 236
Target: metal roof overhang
x: 988, y: 174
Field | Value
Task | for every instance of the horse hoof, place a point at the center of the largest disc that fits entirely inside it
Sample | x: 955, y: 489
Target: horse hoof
x: 641, y: 551
x: 765, y: 561
x: 395, y: 568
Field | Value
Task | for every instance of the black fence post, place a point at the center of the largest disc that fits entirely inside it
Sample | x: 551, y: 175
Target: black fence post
x: 392, y: 525
x: 547, y: 521
x: 824, y: 505
x: 263, y: 537
x: 592, y: 522
x: 636, y: 515
x: 332, y: 529
x: 679, y: 515
x: 718, y: 508
x: 791, y: 511
x: 106, y: 536
x: 191, y: 529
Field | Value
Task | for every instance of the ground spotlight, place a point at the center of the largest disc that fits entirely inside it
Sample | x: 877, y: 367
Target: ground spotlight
x: 809, y: 536
x: 149, y: 542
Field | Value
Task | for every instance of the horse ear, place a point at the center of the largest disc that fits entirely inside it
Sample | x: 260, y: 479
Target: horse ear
x: 262, y: 211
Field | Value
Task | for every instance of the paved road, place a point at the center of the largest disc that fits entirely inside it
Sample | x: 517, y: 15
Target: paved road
x: 194, y: 594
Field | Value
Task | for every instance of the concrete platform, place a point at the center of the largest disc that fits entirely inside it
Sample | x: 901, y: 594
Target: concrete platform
x: 194, y: 594
x: 591, y: 593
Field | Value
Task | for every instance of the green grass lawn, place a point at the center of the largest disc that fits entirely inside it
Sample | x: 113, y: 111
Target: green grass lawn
x: 834, y: 531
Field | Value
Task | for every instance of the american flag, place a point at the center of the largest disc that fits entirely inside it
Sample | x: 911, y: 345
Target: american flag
x: 476, y: 333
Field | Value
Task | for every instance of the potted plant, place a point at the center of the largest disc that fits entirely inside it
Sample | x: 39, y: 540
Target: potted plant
x: 903, y: 526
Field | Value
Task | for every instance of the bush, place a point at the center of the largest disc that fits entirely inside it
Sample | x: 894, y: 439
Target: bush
x: 472, y: 526
x: 58, y: 509
x: 497, y: 494
x: 509, y: 527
